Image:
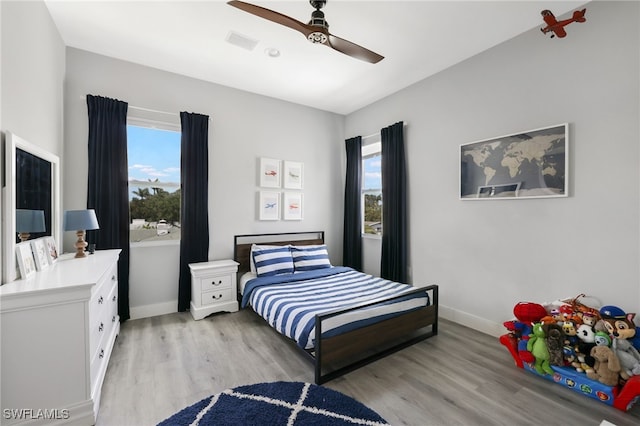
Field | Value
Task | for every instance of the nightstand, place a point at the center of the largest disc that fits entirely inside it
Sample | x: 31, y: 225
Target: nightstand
x: 213, y: 287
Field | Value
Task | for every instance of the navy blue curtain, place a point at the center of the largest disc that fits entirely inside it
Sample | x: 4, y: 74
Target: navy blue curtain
x: 393, y: 264
x: 194, y: 212
x: 107, y: 185
x: 352, y: 239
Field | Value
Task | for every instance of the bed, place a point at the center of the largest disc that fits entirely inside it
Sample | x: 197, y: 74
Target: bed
x: 339, y: 318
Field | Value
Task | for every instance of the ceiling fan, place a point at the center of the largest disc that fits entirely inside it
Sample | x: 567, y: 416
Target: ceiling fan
x: 316, y: 31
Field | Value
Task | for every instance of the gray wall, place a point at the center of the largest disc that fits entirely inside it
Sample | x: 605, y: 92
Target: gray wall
x: 32, y: 76
x: 487, y: 256
x: 244, y: 127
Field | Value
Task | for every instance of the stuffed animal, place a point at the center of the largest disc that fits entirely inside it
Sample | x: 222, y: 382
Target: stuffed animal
x: 602, y: 338
x: 538, y: 347
x: 583, y: 362
x: 621, y: 327
x: 607, y: 366
x: 526, y: 313
x: 622, y: 331
x: 521, y: 332
x: 570, y: 333
x: 628, y: 356
x: 555, y: 339
x: 586, y: 333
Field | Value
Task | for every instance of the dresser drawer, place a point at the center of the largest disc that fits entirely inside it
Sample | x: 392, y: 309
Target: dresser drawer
x: 101, y: 309
x: 217, y: 296
x: 97, y: 361
x: 215, y: 282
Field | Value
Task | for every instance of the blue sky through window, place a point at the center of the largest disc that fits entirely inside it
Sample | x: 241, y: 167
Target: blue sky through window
x: 153, y: 154
x: 372, y: 173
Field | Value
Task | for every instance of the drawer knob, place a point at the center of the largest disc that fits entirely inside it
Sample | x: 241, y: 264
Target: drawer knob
x: 101, y: 327
x: 101, y: 354
x: 113, y: 277
x: 216, y: 283
x: 216, y: 297
x: 100, y: 300
x: 113, y: 319
x: 114, y: 299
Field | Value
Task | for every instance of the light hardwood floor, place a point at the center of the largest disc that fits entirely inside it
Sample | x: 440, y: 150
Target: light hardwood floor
x: 460, y: 377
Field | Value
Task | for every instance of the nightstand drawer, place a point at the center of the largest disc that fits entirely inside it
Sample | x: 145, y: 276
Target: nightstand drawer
x: 215, y: 282
x: 217, y: 296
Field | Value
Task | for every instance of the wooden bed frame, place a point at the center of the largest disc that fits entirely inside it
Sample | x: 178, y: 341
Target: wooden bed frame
x: 335, y: 356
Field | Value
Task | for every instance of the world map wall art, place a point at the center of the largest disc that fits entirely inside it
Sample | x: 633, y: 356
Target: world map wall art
x: 530, y: 164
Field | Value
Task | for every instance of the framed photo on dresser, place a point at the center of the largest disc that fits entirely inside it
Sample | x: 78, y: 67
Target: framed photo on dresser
x: 26, y: 263
x: 52, y: 249
x: 40, y: 253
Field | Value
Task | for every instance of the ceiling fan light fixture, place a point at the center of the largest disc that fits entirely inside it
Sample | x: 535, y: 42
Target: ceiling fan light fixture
x: 317, y: 37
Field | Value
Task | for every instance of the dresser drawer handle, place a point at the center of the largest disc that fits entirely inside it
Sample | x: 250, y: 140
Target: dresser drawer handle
x: 114, y: 299
x: 113, y: 319
x: 216, y: 297
x: 101, y: 354
x: 216, y: 283
x: 101, y: 327
x: 113, y: 277
x: 100, y: 300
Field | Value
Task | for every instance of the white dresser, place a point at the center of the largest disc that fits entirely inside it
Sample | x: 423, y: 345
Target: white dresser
x: 213, y: 287
x: 57, y: 332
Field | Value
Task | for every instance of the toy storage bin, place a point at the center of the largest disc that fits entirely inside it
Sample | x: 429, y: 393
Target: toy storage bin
x: 620, y: 397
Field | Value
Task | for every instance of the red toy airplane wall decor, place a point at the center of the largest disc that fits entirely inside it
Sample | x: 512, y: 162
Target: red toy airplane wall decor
x: 558, y: 26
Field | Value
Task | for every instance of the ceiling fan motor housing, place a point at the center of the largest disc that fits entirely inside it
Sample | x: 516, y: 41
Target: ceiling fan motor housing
x: 317, y: 20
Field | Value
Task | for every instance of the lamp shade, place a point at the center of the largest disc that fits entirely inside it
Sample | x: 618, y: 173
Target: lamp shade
x: 76, y: 220
x: 30, y: 221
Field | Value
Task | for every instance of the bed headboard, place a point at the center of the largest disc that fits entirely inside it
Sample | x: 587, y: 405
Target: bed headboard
x: 242, y: 244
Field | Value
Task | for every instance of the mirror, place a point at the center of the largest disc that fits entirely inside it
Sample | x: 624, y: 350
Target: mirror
x: 32, y: 182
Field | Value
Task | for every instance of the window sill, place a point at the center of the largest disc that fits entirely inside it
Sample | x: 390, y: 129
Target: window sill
x: 372, y: 236
x: 160, y: 243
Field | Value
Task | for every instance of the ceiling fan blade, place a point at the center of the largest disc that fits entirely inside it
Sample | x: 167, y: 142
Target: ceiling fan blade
x: 353, y: 50
x: 316, y: 33
x: 271, y: 15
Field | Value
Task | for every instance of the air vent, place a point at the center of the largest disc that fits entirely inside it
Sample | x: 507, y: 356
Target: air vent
x: 241, y: 40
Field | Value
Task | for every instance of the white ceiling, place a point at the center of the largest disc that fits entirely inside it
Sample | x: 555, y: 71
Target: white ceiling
x: 417, y: 38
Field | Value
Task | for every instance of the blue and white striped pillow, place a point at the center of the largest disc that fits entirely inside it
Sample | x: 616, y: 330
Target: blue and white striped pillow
x: 273, y: 261
x: 308, y: 258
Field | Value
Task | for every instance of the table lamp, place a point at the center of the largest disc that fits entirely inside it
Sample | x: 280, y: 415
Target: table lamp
x: 80, y: 221
x: 28, y: 221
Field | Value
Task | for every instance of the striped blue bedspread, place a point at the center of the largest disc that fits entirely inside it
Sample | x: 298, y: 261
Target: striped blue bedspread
x: 289, y: 302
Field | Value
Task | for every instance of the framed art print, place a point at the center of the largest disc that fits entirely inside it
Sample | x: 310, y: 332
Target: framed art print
x: 269, y: 173
x: 531, y: 164
x: 26, y: 263
x: 292, y: 206
x: 40, y: 255
x: 52, y: 249
x: 269, y: 205
x: 293, y: 175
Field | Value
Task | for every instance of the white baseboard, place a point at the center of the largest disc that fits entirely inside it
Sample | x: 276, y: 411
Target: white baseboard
x: 146, y: 311
x: 471, y: 321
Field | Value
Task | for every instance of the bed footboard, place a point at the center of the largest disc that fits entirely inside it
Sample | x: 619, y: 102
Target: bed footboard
x: 338, y: 355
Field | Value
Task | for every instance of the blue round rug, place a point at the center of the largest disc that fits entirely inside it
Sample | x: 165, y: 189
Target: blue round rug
x: 277, y: 403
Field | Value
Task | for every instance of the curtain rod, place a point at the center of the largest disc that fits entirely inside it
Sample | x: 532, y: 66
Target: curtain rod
x: 378, y: 134
x: 151, y: 110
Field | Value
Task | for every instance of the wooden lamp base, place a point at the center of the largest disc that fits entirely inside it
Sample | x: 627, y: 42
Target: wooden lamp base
x: 80, y: 245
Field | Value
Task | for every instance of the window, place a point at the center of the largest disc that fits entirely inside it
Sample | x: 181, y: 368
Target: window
x: 372, y: 188
x: 154, y: 182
